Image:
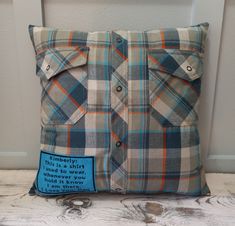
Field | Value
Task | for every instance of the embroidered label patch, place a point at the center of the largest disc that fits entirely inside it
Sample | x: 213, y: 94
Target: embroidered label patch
x: 62, y: 174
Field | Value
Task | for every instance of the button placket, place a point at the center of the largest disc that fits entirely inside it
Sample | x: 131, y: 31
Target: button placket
x: 118, y: 152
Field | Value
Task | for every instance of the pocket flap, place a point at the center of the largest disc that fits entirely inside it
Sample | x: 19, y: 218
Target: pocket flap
x: 57, y: 59
x: 184, y: 64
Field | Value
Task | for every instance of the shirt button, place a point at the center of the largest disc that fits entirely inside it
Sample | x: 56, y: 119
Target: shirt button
x: 119, y: 40
x: 189, y: 68
x: 119, y: 88
x: 118, y: 143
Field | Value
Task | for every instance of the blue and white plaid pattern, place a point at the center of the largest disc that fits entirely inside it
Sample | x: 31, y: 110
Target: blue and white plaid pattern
x: 128, y: 98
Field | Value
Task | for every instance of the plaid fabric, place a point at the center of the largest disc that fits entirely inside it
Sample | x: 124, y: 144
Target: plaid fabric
x: 128, y: 98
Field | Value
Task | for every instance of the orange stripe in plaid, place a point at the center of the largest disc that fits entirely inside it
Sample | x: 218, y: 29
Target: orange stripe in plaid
x: 68, y: 95
x: 116, y: 138
x: 98, y: 112
x: 155, y: 61
x: 119, y: 53
x: 187, y: 83
x: 114, y: 135
x: 163, y: 39
x: 70, y: 38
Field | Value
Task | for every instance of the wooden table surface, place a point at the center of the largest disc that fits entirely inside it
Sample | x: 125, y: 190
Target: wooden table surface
x: 102, y: 209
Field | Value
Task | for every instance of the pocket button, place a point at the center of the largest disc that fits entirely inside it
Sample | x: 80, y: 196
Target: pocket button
x: 48, y: 67
x: 189, y: 68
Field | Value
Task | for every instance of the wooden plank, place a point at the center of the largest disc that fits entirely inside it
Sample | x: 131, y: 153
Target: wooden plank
x: 103, y: 209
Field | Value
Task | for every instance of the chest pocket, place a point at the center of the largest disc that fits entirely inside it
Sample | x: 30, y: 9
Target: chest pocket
x: 174, y: 85
x: 63, y: 73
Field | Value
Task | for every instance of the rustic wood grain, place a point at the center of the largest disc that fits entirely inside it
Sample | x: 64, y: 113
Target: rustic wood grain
x: 102, y: 209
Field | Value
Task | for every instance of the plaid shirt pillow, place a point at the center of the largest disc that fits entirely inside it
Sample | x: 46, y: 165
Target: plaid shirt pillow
x: 119, y: 110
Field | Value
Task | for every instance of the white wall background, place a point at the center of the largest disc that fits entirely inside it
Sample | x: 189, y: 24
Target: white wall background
x: 20, y: 90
